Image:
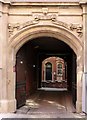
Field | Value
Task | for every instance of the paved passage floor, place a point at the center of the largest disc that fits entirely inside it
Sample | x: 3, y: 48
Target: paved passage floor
x: 49, y: 104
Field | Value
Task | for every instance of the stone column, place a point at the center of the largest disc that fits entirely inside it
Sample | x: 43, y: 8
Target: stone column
x: 84, y: 82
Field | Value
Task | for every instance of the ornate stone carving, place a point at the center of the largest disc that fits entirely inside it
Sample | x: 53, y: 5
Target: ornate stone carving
x: 78, y: 28
x: 73, y: 27
x: 45, y: 11
x: 15, y: 27
x: 12, y: 28
x: 49, y: 16
x: 60, y: 23
x: 28, y: 23
x: 45, y: 15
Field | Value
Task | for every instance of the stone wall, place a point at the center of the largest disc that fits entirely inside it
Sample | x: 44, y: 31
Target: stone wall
x: 22, y: 21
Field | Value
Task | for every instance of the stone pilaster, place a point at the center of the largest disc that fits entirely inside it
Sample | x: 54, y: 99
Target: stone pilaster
x: 0, y: 53
x: 84, y: 93
x: 79, y: 93
x: 84, y: 82
x: 6, y: 104
x: 79, y: 82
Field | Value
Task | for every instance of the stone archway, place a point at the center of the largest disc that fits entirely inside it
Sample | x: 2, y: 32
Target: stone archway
x: 27, y: 34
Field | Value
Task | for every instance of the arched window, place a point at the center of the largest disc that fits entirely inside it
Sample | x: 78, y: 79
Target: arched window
x: 48, y: 67
x: 60, y: 69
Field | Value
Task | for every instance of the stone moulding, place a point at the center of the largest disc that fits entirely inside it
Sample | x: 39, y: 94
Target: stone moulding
x: 78, y: 28
x: 18, y: 26
x: 45, y: 1
x: 52, y: 17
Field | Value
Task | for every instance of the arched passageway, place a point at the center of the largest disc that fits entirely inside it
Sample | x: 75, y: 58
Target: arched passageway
x: 29, y: 60
x: 33, y: 46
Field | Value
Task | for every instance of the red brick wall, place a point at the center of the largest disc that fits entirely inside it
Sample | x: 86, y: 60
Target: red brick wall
x: 54, y: 83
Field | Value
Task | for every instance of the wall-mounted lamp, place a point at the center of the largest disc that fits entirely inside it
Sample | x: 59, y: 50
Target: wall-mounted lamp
x: 33, y: 66
x: 21, y: 62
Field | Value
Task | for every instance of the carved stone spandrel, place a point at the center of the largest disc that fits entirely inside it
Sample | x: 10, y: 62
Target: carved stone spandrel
x: 12, y: 28
x: 16, y: 27
x: 78, y: 28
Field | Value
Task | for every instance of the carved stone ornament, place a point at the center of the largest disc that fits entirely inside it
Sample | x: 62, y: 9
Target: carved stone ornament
x: 78, y: 28
x: 12, y: 27
x: 16, y: 27
x: 38, y: 17
x: 45, y: 15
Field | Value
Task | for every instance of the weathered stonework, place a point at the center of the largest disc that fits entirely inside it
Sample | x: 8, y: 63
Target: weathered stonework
x: 23, y: 21
x: 72, y: 27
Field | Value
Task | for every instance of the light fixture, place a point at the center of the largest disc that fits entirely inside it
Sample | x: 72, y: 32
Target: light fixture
x: 21, y: 62
x: 33, y: 66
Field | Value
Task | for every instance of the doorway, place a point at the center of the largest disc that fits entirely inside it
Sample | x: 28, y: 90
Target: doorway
x: 48, y: 67
x: 29, y: 67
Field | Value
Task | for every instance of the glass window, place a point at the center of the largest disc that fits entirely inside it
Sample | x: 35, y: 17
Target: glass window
x: 48, y: 65
x: 60, y: 71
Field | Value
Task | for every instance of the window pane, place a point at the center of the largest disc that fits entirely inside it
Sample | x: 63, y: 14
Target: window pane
x: 59, y: 65
x: 48, y: 65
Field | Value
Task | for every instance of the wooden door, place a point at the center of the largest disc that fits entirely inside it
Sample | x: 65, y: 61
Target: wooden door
x: 20, y: 82
x: 48, y: 71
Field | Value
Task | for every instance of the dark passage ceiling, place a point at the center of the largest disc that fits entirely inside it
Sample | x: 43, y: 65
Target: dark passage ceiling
x: 49, y: 44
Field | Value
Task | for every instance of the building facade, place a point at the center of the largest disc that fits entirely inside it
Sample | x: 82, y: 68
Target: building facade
x: 23, y: 21
x: 54, y: 73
